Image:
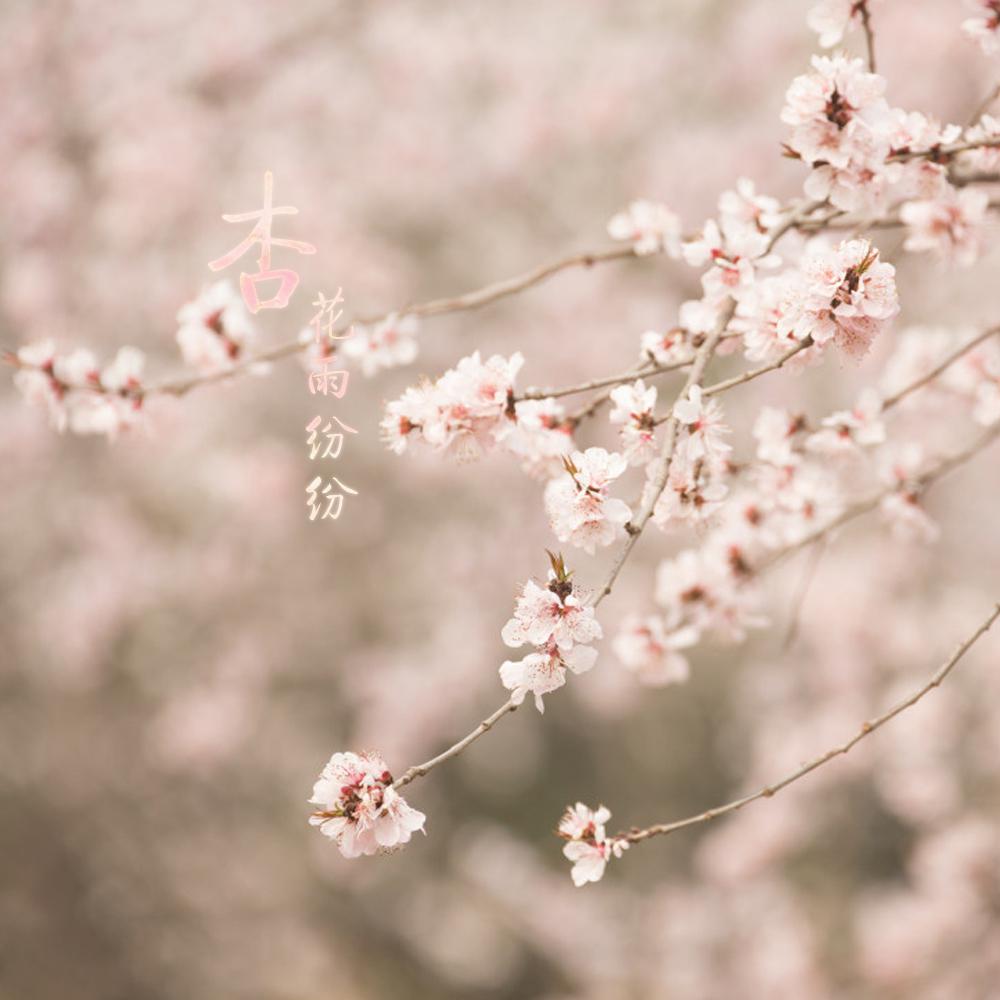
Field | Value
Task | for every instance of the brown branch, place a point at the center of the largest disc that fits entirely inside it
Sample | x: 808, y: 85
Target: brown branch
x: 866, y: 24
x: 419, y: 770
x: 635, y: 527
x: 634, y: 836
x: 938, y: 369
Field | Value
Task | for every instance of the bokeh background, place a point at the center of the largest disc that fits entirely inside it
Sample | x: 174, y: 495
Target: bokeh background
x: 182, y: 650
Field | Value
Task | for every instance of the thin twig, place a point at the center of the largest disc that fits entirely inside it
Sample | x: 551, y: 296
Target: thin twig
x: 643, y: 371
x: 419, y: 770
x: 867, y: 728
x: 799, y: 600
x: 984, y: 106
x: 938, y: 369
x: 866, y: 24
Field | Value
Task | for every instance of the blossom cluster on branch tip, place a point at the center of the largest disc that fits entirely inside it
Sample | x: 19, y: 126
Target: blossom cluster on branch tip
x: 554, y: 621
x: 215, y: 330
x: 587, y: 844
x: 78, y: 394
x: 471, y: 409
x: 358, y: 807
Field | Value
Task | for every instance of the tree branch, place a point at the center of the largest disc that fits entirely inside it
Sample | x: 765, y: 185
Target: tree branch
x: 634, y: 835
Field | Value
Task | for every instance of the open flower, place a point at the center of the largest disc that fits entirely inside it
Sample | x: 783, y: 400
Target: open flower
x: 646, y: 647
x: 359, y: 808
x: 578, y: 503
x: 215, y: 329
x: 387, y: 344
x: 553, y: 621
x: 649, y: 226
x: 588, y: 845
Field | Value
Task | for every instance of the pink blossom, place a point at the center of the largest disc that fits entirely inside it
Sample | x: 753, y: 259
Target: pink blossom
x: 666, y: 348
x: 645, y: 646
x: 554, y: 621
x: 649, y: 226
x: 463, y: 413
x: 215, y: 329
x: 694, y: 490
x: 985, y: 26
x: 840, y: 127
x: 744, y: 207
x: 540, y: 435
x: 832, y: 19
x: 778, y: 434
x: 848, y: 296
x: 550, y: 613
x: 78, y: 395
x: 951, y: 224
x: 543, y: 672
x: 986, y: 158
x: 633, y: 413
x: 847, y: 430
x: 734, y: 251
x: 359, y: 808
x: 578, y: 505
x: 387, y: 344
x: 588, y: 846
x: 899, y: 468
x: 704, y: 424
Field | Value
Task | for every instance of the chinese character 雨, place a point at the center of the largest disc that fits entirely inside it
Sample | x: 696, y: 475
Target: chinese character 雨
x: 334, y: 439
x: 327, y: 380
x: 334, y: 501
x: 261, y: 234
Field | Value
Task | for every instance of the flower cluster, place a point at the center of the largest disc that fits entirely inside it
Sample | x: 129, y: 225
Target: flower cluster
x: 554, y: 621
x: 388, y: 344
x: 649, y: 226
x: 359, y: 808
x: 215, y: 329
x: 841, y: 126
x: 464, y: 412
x: 633, y: 414
x: 578, y: 504
x: 844, y: 295
x: 78, y: 394
x: 950, y: 224
x: 587, y: 844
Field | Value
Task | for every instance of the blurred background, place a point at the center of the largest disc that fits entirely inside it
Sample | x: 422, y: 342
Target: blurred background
x: 182, y: 649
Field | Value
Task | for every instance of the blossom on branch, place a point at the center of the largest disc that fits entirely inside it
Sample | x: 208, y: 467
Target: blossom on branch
x: 951, y: 224
x: 588, y: 845
x: 832, y: 19
x: 553, y: 620
x: 79, y: 395
x: 846, y: 295
x: 463, y: 413
x: 390, y: 343
x: 215, y: 329
x: 578, y: 505
x: 649, y: 226
x: 633, y: 414
x: 359, y: 808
